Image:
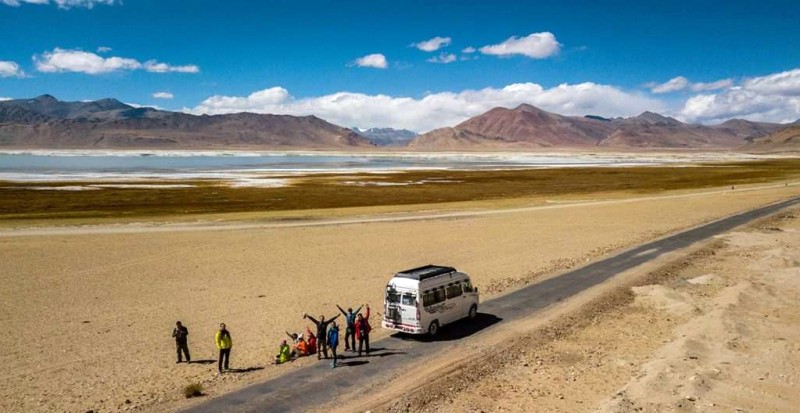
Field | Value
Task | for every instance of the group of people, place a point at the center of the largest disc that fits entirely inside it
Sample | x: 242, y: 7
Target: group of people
x: 325, y: 339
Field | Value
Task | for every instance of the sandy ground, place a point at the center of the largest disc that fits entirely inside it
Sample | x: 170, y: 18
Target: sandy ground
x: 89, y: 315
x: 714, y: 330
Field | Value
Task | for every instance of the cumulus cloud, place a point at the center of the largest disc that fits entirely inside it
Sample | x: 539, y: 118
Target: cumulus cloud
x: 681, y: 83
x: 103, y: 49
x: 469, y: 50
x: 10, y: 69
x: 443, y: 58
x: 782, y: 84
x: 63, y: 4
x: 770, y: 98
x: 535, y: 45
x: 432, y: 45
x: 163, y: 95
x: 64, y: 60
x: 375, y: 60
x: 436, y: 109
x: 2, y: 98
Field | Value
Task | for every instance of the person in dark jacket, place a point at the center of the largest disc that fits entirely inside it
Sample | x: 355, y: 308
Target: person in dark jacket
x: 322, y: 333
x: 362, y: 331
x: 350, y: 330
x: 333, y: 341
x: 181, y: 335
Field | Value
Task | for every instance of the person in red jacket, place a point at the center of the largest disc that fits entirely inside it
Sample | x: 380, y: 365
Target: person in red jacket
x: 312, y: 342
x: 362, y: 331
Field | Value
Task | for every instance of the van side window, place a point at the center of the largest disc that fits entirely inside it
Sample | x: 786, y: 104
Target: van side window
x: 453, y: 290
x: 429, y: 298
x: 440, y: 294
x: 467, y: 286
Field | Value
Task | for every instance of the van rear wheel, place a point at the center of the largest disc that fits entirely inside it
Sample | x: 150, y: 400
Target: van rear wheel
x: 433, y: 328
x: 473, y: 312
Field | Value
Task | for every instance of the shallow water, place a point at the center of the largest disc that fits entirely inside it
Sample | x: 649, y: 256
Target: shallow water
x: 43, y: 166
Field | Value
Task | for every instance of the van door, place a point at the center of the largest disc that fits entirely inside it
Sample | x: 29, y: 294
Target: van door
x: 401, y: 309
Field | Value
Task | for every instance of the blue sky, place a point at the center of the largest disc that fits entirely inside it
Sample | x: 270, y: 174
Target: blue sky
x: 355, y: 62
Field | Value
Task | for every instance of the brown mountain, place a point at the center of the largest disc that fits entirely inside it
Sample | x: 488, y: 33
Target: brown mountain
x: 45, y: 122
x: 528, y: 127
x: 784, y: 140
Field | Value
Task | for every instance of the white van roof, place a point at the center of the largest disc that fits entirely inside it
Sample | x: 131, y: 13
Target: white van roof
x: 425, y: 272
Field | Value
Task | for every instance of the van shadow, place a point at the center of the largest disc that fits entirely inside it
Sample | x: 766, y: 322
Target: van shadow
x: 456, y: 331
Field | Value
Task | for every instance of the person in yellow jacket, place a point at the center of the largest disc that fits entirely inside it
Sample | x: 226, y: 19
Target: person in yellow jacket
x: 224, y: 344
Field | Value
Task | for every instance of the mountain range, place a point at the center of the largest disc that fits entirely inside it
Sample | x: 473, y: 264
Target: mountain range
x: 529, y: 127
x: 387, y: 136
x: 45, y: 122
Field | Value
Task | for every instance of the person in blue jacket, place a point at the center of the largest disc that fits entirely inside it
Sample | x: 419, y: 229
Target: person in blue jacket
x: 333, y: 341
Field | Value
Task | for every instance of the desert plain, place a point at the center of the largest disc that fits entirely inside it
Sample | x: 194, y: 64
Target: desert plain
x: 89, y: 300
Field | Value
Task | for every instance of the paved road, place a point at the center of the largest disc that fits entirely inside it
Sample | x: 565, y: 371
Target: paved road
x: 304, y: 388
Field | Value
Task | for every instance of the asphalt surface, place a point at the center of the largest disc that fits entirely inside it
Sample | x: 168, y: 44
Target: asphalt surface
x: 302, y: 389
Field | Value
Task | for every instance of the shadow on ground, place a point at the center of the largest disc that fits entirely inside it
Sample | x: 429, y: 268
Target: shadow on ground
x: 245, y: 370
x: 204, y: 361
x: 455, y: 331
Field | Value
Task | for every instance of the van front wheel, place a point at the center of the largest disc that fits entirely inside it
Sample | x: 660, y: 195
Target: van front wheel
x: 473, y: 312
x: 433, y: 328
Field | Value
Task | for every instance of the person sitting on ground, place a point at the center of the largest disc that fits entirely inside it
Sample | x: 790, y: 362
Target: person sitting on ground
x: 181, y: 334
x: 322, y: 331
x: 284, y: 353
x: 312, y: 341
x: 362, y: 331
x: 294, y: 336
x: 350, y: 330
x: 333, y: 341
x: 301, y: 348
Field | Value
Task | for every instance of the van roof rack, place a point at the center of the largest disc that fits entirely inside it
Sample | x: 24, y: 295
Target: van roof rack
x: 425, y: 272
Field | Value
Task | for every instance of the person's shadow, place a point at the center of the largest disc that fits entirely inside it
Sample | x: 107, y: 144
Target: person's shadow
x: 351, y: 363
x: 245, y: 370
x: 204, y: 361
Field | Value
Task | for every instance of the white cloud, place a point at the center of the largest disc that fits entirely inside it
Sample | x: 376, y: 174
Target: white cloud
x: 770, y: 98
x: 672, y: 85
x: 535, y: 45
x: 443, y: 58
x: 375, y: 60
x: 157, y: 67
x: 10, y: 69
x: 432, y: 45
x: 103, y: 49
x: 681, y: 83
x: 2, y: 98
x: 63, y: 4
x: 469, y: 50
x: 783, y: 84
x: 64, y: 60
x: 436, y: 109
x: 705, y: 87
x: 163, y: 95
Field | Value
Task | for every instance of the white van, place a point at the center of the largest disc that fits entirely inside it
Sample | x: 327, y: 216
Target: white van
x: 421, y: 300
